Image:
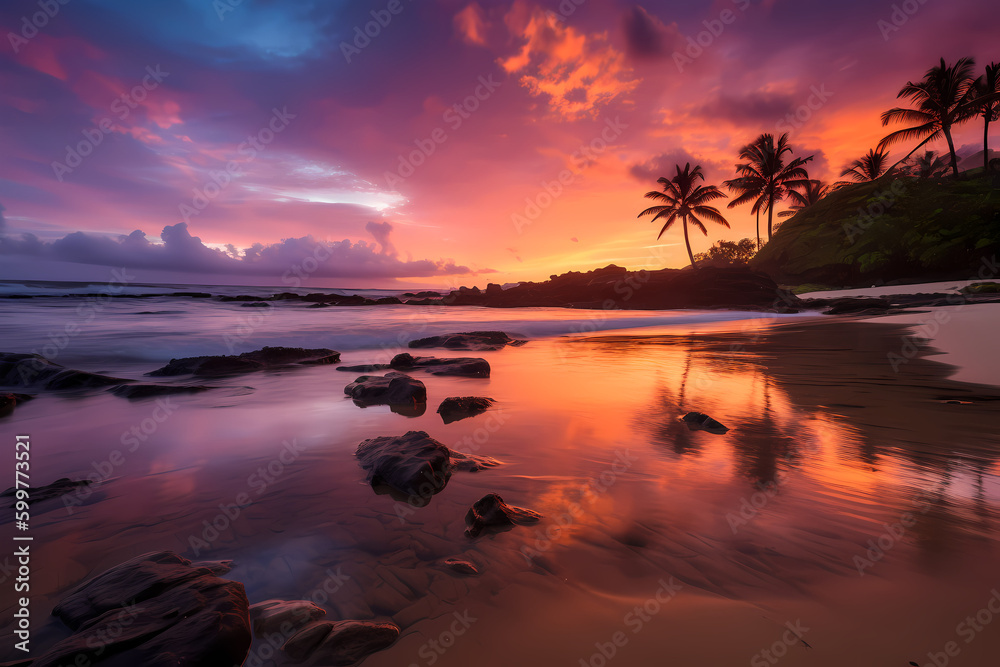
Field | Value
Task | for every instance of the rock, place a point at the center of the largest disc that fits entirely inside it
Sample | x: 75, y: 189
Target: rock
x: 491, y: 512
x: 981, y: 288
x: 139, y: 391
x: 192, y: 295
x: 856, y: 305
x: 248, y: 362
x: 281, y: 616
x: 426, y: 294
x: 34, y: 370
x: 256, y: 304
x: 388, y: 301
x: 480, y: 341
x: 340, y: 643
x: 54, y: 490
x: 156, y: 610
x: 389, y: 389
x: 454, y: 408
x: 414, y: 464
x: 365, y: 368
x: 697, y: 421
x: 319, y: 305
x: 9, y: 400
x: 459, y: 366
x: 461, y: 566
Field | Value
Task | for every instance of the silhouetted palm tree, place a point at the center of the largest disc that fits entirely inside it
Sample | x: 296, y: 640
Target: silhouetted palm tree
x: 810, y: 194
x: 868, y: 168
x: 681, y: 198
x: 927, y: 165
x: 943, y: 100
x: 987, y: 103
x: 764, y: 178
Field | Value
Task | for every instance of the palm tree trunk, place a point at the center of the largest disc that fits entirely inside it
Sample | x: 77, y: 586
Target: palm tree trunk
x: 951, y: 150
x: 687, y: 243
x: 758, y: 229
x: 986, y: 145
x: 770, y: 216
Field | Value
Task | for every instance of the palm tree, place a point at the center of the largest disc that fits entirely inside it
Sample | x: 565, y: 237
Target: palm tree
x: 928, y: 165
x: 943, y: 101
x: 681, y: 198
x: 987, y: 102
x: 811, y: 193
x: 868, y: 168
x: 764, y: 178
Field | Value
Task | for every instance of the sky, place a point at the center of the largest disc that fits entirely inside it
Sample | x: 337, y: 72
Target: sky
x: 425, y: 143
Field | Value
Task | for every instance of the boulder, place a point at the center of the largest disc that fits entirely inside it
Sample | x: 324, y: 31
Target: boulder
x: 248, y: 362
x: 696, y: 421
x: 480, y: 341
x: 340, y: 643
x: 455, y: 408
x: 156, y: 610
x: 9, y: 400
x: 491, y: 513
x: 256, y: 304
x: 281, y: 616
x: 414, y: 464
x: 457, y: 366
x: 34, y: 370
x: 389, y: 389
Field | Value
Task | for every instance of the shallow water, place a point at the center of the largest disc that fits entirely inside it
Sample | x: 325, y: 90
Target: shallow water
x: 757, y: 528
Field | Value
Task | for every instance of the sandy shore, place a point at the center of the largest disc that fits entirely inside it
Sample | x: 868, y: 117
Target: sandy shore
x: 719, y: 540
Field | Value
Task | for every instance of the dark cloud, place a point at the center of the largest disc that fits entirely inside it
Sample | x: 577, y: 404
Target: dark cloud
x: 646, y: 36
x: 665, y: 164
x: 757, y: 109
x: 182, y: 252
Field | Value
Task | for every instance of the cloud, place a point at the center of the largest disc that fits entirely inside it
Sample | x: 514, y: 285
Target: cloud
x: 665, y: 164
x: 756, y: 109
x: 471, y: 25
x: 646, y: 36
x: 182, y: 252
x: 577, y: 73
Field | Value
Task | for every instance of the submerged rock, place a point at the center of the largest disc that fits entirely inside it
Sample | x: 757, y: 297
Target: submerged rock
x: 340, y: 643
x: 491, y: 512
x: 458, y: 366
x: 479, y: 341
x: 365, y: 368
x: 389, y: 389
x: 856, y: 305
x: 248, y: 362
x: 138, y: 391
x: 57, y: 488
x: 461, y: 566
x: 281, y: 616
x: 454, y: 408
x: 34, y: 370
x: 9, y: 400
x: 414, y: 464
x: 696, y: 421
x: 156, y: 610
x: 256, y: 304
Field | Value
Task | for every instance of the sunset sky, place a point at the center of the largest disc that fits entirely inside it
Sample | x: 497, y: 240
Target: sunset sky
x: 421, y: 155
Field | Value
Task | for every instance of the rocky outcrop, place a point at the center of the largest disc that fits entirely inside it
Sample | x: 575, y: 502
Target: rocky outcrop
x: 156, y: 610
x: 455, y: 408
x: 696, y: 421
x: 491, y: 513
x: 390, y: 389
x: 340, y: 643
x: 479, y: 341
x: 248, y: 362
x: 472, y: 367
x: 414, y: 464
x: 282, y: 616
x: 34, y: 370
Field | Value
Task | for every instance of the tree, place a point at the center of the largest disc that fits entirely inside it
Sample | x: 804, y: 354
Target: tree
x: 683, y: 199
x: 986, y: 90
x: 730, y: 252
x: 869, y: 167
x: 943, y: 100
x: 811, y: 193
x: 764, y: 178
x: 927, y: 165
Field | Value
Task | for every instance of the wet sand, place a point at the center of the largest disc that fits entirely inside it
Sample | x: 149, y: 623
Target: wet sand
x: 721, y: 540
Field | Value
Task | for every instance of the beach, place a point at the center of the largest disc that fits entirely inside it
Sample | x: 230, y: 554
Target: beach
x: 848, y: 516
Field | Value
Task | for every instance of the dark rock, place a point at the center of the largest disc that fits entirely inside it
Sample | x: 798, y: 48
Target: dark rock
x: 34, y: 370
x: 389, y: 389
x: 454, y: 408
x: 277, y: 616
x: 461, y: 566
x: 426, y: 294
x: 458, y: 366
x: 491, y: 512
x: 156, y: 610
x: 268, y: 357
x: 414, y: 464
x: 139, y: 391
x: 365, y: 368
x: 856, y: 305
x: 192, y: 295
x: 340, y: 643
x: 388, y: 301
x: 981, y: 288
x: 479, y: 341
x: 246, y: 298
x: 319, y: 305
x: 9, y: 400
x: 54, y: 490
x: 256, y: 304
x: 697, y: 421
